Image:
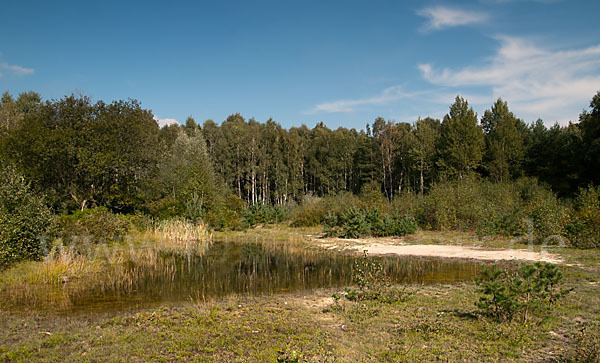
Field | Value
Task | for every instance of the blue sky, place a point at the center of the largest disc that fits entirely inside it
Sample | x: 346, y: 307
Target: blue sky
x: 341, y: 62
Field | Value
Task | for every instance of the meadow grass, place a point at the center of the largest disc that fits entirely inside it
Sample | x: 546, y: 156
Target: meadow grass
x: 435, y: 322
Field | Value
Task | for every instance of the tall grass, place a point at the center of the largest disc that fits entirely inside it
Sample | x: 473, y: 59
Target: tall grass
x: 179, y: 233
x: 70, y: 272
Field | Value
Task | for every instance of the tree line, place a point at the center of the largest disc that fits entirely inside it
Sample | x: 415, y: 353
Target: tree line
x: 82, y: 154
x: 263, y: 162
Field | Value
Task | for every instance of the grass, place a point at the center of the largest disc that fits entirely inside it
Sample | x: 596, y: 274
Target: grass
x: 71, y: 271
x: 436, y: 322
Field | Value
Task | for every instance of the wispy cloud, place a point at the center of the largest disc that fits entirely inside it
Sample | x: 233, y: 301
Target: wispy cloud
x: 388, y: 95
x: 515, y: 1
x: 17, y: 70
x: 440, y: 17
x: 166, y: 121
x: 552, y: 84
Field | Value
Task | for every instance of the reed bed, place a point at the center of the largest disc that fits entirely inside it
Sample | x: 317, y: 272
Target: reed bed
x: 180, y: 233
x: 67, y: 275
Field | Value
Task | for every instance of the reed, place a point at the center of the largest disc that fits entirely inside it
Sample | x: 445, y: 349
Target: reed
x: 67, y: 275
x: 180, y: 233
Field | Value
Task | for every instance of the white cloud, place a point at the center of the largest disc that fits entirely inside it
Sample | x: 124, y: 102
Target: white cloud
x: 388, y: 95
x: 18, y: 70
x: 515, y: 1
x: 440, y: 17
x: 166, y: 121
x: 537, y: 82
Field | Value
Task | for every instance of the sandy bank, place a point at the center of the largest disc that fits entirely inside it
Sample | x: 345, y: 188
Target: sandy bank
x: 383, y: 246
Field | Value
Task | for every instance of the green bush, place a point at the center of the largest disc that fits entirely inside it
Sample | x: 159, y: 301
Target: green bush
x: 229, y: 216
x: 372, y: 283
x: 356, y: 223
x: 313, y: 211
x: 507, y: 208
x: 310, y: 212
x: 24, y: 219
x: 546, y: 215
x: 583, y: 228
x: 95, y: 225
x: 508, y: 294
x: 260, y: 213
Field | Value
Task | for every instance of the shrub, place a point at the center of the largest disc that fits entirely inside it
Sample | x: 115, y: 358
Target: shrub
x: 96, y: 225
x: 310, y: 212
x: 228, y: 215
x: 24, y: 219
x: 313, y: 211
x: 403, y: 226
x: 506, y: 294
x: 369, y: 276
x: 583, y: 228
x: 437, y: 210
x: 259, y: 213
x: 548, y: 217
x: 356, y: 223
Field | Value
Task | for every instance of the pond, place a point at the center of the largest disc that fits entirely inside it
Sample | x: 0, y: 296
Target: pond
x: 235, y: 267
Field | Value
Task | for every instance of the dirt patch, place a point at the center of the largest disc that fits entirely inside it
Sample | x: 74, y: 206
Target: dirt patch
x: 395, y: 247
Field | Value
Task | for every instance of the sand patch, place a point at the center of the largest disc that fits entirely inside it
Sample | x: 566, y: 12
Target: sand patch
x: 383, y: 246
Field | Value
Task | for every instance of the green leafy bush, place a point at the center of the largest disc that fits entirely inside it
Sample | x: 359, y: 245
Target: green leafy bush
x: 508, y: 294
x: 356, y: 223
x: 229, y: 216
x: 95, y: 225
x: 24, y: 219
x: 547, y: 216
x: 310, y: 212
x: 583, y: 228
x: 260, y: 213
x: 313, y: 211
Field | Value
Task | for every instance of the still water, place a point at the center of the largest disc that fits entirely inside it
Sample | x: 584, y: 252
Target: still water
x: 231, y: 267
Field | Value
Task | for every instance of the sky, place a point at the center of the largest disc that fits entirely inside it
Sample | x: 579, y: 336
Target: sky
x: 301, y: 62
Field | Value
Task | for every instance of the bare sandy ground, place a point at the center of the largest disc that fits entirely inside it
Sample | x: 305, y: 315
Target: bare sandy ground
x: 385, y: 246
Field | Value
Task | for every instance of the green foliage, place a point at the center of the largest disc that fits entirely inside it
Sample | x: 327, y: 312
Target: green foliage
x: 372, y: 283
x: 314, y: 211
x: 356, y: 223
x: 87, y: 154
x: 508, y: 294
x: 504, y: 142
x: 583, y: 228
x: 461, y: 142
x: 260, y: 213
x: 309, y: 213
x: 95, y: 225
x: 546, y: 214
x: 186, y: 181
x: 24, y: 219
x: 228, y: 216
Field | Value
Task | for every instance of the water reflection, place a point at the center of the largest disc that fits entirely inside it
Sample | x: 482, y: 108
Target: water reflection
x: 239, y: 268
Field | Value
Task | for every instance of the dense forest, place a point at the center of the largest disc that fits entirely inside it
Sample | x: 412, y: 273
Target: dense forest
x: 74, y: 154
x: 87, y: 154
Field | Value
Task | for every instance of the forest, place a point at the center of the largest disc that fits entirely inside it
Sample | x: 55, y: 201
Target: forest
x: 76, y: 154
